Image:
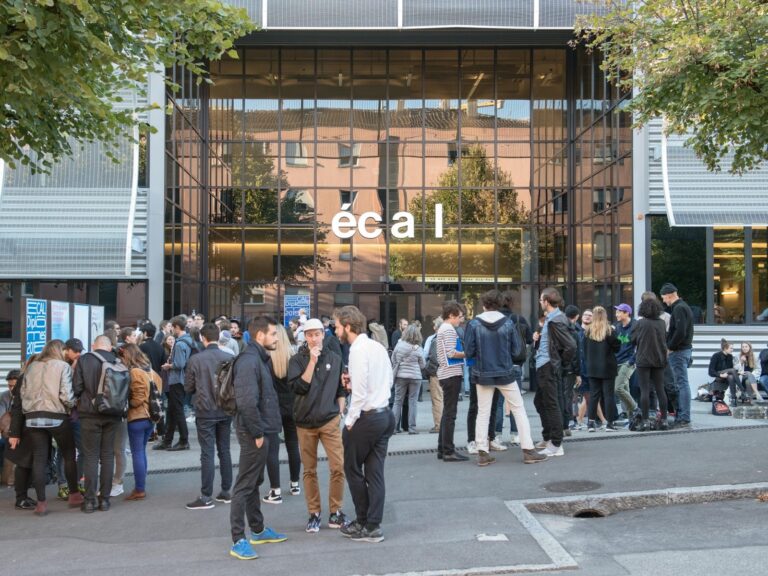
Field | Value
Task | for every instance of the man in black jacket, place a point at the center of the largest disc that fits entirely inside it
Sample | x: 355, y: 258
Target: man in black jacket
x: 556, y: 347
x: 213, y: 425
x: 314, y: 375
x: 97, y: 431
x: 153, y: 349
x: 679, y: 344
x: 258, y: 414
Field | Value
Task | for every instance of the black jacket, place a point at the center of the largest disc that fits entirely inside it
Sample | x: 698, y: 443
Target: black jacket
x: 200, y: 380
x: 316, y: 403
x: 680, y: 335
x: 649, y: 337
x: 719, y: 363
x: 601, y: 357
x: 562, y: 346
x: 155, y: 353
x: 258, y: 412
x: 492, y: 340
x: 22, y: 455
x: 331, y: 343
x: 85, y: 382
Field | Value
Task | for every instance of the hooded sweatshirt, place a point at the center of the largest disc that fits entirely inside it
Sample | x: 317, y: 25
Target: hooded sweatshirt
x: 492, y: 340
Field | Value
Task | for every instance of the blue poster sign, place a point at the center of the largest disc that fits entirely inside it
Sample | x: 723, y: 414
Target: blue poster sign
x: 36, y: 326
x: 292, y: 304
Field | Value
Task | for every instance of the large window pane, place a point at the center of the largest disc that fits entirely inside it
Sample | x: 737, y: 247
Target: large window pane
x: 679, y: 256
x: 729, y: 276
x: 760, y: 274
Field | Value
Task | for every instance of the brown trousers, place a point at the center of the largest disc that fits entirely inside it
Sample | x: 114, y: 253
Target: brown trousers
x: 436, y: 392
x: 330, y: 435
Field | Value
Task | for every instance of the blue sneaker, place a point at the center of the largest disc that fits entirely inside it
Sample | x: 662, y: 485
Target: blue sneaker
x: 242, y: 550
x: 268, y: 536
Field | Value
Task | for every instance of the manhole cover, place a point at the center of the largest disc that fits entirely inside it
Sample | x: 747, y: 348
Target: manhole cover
x: 572, y: 486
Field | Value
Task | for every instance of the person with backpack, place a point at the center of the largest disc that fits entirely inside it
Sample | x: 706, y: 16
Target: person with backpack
x: 258, y: 417
x: 492, y: 340
x: 183, y: 349
x: 432, y: 364
x: 213, y: 424
x: 98, y: 427
x: 140, y: 425
x: 46, y: 399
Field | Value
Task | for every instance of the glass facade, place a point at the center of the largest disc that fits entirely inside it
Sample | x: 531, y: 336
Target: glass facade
x: 458, y: 169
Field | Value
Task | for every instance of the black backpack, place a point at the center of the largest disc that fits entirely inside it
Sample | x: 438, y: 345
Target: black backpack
x: 432, y: 362
x: 113, y: 389
x: 521, y: 328
x: 224, y: 392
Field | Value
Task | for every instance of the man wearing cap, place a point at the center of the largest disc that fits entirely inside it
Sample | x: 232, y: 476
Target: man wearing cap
x: 679, y: 346
x: 625, y: 357
x: 314, y: 376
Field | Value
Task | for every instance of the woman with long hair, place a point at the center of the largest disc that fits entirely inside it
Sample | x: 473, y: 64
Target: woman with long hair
x: 140, y: 425
x: 747, y: 369
x: 649, y: 337
x: 407, y: 363
x: 46, y: 399
x: 722, y: 369
x: 600, y: 347
x: 280, y: 357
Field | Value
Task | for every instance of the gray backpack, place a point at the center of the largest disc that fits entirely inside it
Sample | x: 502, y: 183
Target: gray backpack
x: 113, y: 389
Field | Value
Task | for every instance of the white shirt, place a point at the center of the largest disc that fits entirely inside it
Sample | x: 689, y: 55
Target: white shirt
x: 370, y: 373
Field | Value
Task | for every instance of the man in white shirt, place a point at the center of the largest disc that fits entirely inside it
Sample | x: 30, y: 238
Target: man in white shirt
x: 368, y: 425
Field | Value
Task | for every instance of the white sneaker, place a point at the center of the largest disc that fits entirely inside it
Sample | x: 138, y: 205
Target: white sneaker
x: 190, y: 419
x: 472, y: 447
x: 514, y: 440
x: 117, y: 489
x: 497, y: 446
x: 552, y: 450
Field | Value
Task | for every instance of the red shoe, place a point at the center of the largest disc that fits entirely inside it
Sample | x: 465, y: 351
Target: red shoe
x: 41, y: 509
x: 75, y: 500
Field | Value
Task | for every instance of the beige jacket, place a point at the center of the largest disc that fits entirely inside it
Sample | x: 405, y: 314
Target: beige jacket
x: 47, y: 388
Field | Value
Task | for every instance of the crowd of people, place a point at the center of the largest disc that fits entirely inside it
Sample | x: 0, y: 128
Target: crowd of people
x: 345, y: 383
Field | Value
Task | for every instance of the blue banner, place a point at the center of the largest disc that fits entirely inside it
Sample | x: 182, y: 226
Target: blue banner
x: 36, y: 326
x: 292, y: 304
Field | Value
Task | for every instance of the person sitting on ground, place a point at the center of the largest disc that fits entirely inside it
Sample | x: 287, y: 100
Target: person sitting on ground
x: 721, y: 368
x: 747, y: 369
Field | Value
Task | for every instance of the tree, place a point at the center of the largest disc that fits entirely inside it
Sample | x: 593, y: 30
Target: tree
x: 63, y: 62
x: 702, y: 65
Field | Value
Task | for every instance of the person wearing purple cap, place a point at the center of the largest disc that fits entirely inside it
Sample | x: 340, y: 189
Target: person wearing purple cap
x: 625, y: 357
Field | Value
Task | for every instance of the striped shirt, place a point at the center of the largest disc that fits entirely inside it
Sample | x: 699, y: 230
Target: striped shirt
x: 446, y: 344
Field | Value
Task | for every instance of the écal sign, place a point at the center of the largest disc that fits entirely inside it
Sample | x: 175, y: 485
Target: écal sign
x: 345, y: 224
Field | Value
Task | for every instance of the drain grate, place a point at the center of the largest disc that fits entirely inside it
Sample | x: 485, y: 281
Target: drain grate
x: 572, y: 486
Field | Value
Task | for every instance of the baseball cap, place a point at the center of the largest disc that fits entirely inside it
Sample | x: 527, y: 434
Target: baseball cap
x: 74, y: 344
x: 668, y: 288
x: 624, y: 308
x: 313, y: 324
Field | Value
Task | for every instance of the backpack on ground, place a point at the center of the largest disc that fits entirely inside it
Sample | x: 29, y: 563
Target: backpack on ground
x: 432, y: 362
x: 113, y: 389
x: 720, y: 408
x: 224, y: 392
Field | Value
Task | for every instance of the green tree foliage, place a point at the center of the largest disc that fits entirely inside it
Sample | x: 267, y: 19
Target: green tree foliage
x: 62, y: 63
x: 701, y: 64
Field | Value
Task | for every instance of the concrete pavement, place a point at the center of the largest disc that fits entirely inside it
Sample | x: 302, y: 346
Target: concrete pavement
x: 434, y: 514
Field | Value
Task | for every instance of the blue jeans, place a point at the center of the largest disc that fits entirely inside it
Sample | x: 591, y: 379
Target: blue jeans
x: 75, y: 425
x: 139, y: 432
x: 679, y: 361
x: 764, y: 382
x: 213, y: 433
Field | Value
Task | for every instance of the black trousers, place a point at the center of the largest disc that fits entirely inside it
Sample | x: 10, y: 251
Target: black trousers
x: 246, y: 504
x: 22, y: 480
x: 41, y: 446
x: 545, y: 401
x: 294, y: 456
x: 472, y: 415
x: 174, y: 418
x: 365, y: 449
x: 601, y: 393
x: 213, y: 435
x: 98, y: 438
x: 565, y: 397
x: 451, y: 389
x: 647, y: 378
